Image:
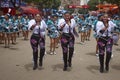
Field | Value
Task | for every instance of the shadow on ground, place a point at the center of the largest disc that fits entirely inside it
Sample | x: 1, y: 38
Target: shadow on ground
x: 80, y: 43
x: 118, y: 49
x: 91, y: 53
x: 60, y: 67
x: 93, y: 68
x: 13, y: 48
x: 57, y: 66
x: 117, y: 67
x: 28, y: 67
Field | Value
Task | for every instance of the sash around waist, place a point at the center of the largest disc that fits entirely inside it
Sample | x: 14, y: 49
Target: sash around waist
x: 37, y: 35
x: 67, y: 34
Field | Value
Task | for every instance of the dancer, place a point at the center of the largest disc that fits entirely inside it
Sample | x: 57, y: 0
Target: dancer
x: 105, y: 31
x: 67, y: 39
x: 97, y: 22
x: 7, y: 29
x: 117, y: 30
x: 25, y: 27
x: 37, y: 38
x: 1, y: 28
x: 52, y: 33
x: 82, y: 28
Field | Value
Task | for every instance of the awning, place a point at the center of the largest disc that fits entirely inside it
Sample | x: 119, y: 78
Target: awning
x: 29, y: 10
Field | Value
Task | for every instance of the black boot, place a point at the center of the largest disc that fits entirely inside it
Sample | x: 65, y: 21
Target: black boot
x: 71, y: 50
x: 65, y: 61
x: 35, y: 58
x: 108, y: 57
x: 69, y: 63
x: 42, y: 52
x: 35, y: 66
x: 101, y: 59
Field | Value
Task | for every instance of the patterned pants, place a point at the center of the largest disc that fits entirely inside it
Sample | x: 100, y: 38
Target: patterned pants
x: 105, y: 44
x: 35, y: 42
x: 67, y: 41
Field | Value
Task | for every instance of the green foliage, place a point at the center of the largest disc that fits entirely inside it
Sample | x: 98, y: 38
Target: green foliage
x: 92, y: 4
x: 29, y: 1
x: 46, y: 3
x: 69, y: 9
x: 112, y: 1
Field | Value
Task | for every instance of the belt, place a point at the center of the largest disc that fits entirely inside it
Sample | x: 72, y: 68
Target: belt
x: 67, y: 34
x: 37, y: 35
x: 105, y: 38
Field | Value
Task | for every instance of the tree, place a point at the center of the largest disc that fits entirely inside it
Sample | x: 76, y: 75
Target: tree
x: 45, y: 3
x: 112, y: 1
x: 92, y: 4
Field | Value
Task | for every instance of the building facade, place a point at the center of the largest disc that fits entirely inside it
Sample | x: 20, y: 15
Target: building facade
x: 74, y: 2
x: 83, y: 2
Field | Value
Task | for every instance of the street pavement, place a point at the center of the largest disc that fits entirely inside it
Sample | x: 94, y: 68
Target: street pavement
x: 16, y: 63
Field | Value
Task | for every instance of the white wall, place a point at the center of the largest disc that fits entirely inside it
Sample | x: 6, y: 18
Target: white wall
x: 84, y: 2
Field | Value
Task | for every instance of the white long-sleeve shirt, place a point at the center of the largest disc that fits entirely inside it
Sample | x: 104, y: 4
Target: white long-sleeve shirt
x: 108, y: 32
x: 42, y: 27
x: 66, y: 27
